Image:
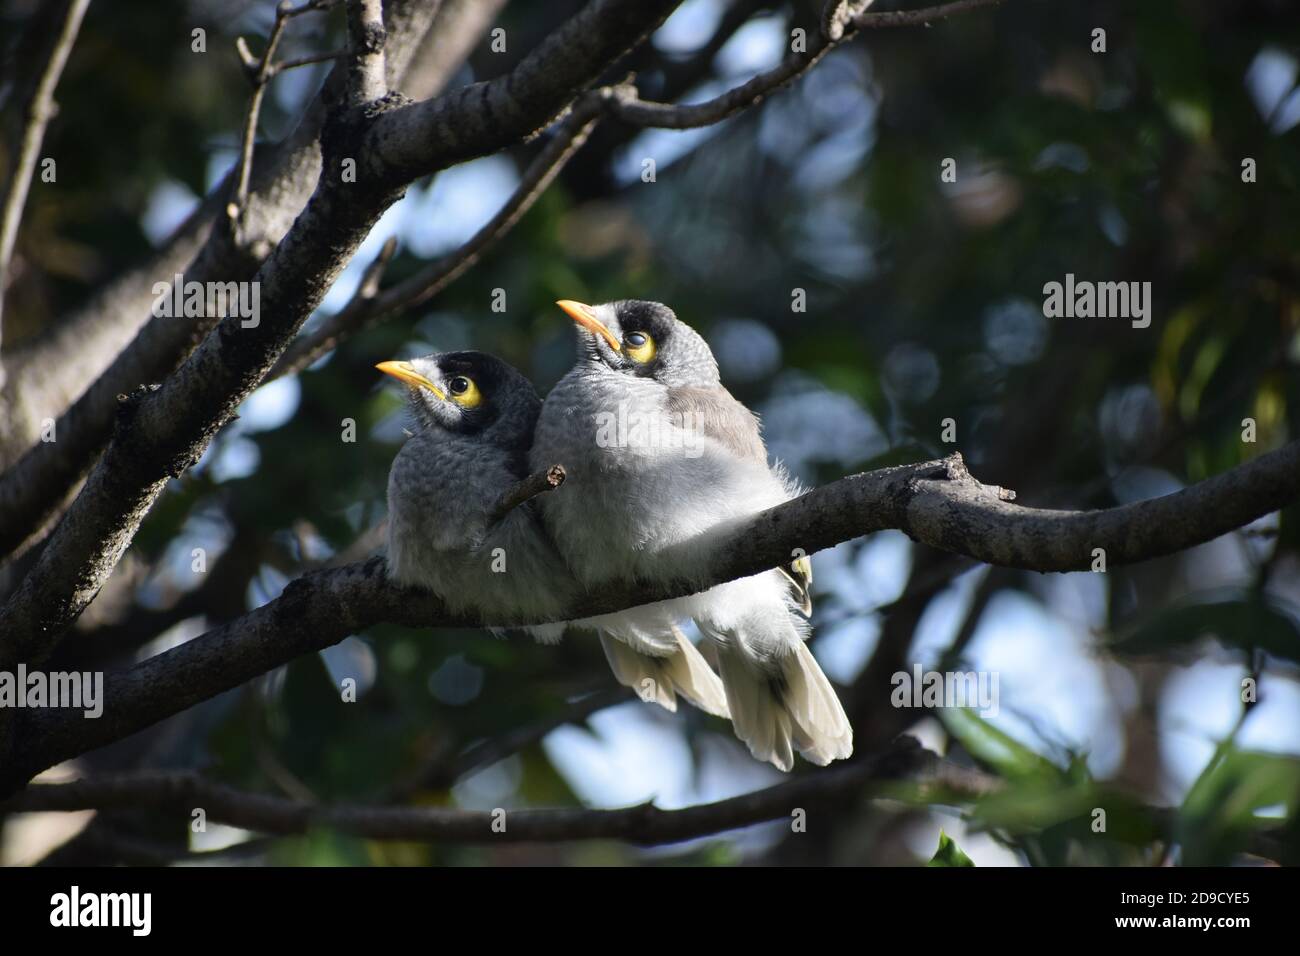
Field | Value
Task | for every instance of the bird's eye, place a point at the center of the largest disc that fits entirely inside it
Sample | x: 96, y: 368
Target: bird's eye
x: 639, y: 347
x: 464, y: 392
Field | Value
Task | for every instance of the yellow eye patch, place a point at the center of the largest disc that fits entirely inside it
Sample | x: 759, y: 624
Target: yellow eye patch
x: 464, y: 392
x: 639, y: 347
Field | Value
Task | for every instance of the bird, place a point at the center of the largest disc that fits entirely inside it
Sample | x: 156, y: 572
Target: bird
x: 662, y: 461
x: 473, y: 417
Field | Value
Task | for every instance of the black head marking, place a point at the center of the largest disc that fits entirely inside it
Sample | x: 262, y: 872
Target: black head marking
x: 506, y: 406
x: 681, y: 356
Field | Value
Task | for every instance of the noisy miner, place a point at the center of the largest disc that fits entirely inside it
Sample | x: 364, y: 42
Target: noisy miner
x: 473, y: 424
x: 661, y: 462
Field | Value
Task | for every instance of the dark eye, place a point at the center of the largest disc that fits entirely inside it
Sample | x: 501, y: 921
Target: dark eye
x: 459, y: 385
x: 639, y: 347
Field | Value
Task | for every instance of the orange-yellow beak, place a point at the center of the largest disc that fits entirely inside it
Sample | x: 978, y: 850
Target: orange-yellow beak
x: 584, y: 316
x: 404, y: 371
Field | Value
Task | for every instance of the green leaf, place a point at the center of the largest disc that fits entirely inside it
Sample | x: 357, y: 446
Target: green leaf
x: 1223, y: 807
x: 1000, y: 751
x: 949, y: 853
x: 1238, y: 618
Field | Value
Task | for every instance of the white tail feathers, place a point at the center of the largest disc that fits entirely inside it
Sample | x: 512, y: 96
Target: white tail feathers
x: 660, y: 679
x: 824, y: 730
x: 784, y: 707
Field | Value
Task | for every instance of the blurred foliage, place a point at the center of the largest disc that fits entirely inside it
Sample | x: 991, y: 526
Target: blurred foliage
x: 923, y: 304
x: 1249, y: 621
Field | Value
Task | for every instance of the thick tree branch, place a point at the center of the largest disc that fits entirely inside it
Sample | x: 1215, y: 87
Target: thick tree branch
x: 46, y: 375
x: 164, y: 431
x: 81, y: 359
x: 40, y: 110
x: 444, y: 49
x: 32, y: 490
x: 937, y: 503
x: 568, y: 138
x: 182, y: 792
x: 623, y: 102
x: 499, y: 110
x: 415, y: 140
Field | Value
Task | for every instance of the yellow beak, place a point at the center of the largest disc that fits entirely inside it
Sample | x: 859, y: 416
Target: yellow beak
x: 404, y: 371
x: 584, y: 316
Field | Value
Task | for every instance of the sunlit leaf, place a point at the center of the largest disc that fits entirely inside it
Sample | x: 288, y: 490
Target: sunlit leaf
x: 949, y: 853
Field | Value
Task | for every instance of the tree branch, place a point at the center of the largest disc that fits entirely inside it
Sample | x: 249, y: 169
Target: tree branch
x: 401, y: 141
x: 421, y: 138
x: 459, y: 26
x: 840, y: 26
x: 937, y: 503
x: 919, y: 18
x: 444, y: 768
x: 623, y: 102
x: 569, y: 136
x: 162, y: 432
x: 103, y: 352
x: 40, y: 110
x: 31, y: 491
x: 366, y: 76
x: 539, y: 482
x: 260, y: 72
x: 645, y: 825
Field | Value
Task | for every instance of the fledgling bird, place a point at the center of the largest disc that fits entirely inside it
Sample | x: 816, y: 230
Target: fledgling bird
x: 474, y: 417
x: 661, y: 459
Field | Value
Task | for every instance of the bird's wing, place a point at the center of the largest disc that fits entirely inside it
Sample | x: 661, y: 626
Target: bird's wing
x: 716, y: 413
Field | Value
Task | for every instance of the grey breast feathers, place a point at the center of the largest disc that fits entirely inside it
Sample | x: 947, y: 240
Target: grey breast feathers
x: 715, y: 413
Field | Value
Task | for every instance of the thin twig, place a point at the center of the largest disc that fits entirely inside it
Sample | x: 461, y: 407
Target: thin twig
x: 537, y: 483
x: 260, y: 74
x: 263, y: 75
x: 362, y: 305
x: 919, y: 18
x: 40, y: 110
x: 293, y: 64
x: 840, y: 24
x: 443, y: 769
